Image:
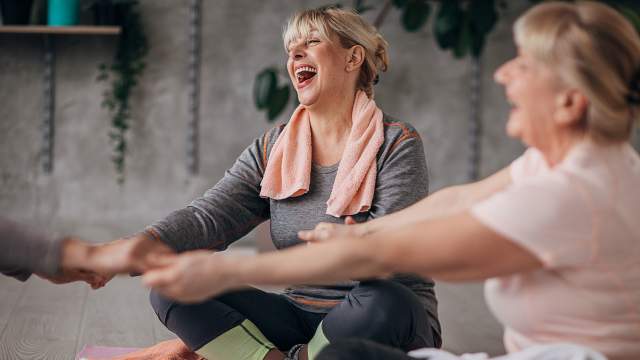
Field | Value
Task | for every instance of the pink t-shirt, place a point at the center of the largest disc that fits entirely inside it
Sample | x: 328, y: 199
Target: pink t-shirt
x: 582, y: 220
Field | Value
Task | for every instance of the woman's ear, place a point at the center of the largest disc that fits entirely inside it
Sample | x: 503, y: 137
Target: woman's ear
x: 355, y: 58
x: 571, y: 108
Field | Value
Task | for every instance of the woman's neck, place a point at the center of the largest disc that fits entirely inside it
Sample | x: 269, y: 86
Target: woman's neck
x: 560, y: 146
x: 332, y: 122
x: 330, y: 128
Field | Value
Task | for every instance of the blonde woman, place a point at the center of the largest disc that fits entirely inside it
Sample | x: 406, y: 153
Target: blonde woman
x: 556, y: 234
x: 339, y: 156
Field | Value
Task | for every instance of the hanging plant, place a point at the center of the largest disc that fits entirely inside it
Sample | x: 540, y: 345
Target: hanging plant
x: 123, y: 74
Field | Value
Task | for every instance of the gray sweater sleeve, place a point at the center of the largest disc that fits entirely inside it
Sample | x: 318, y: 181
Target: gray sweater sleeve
x: 402, y: 173
x: 225, y: 213
x: 26, y: 251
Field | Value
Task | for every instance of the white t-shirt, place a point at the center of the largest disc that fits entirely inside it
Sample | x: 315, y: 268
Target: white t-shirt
x: 582, y: 220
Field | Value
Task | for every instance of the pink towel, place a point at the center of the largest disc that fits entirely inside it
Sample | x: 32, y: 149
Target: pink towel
x: 288, y: 170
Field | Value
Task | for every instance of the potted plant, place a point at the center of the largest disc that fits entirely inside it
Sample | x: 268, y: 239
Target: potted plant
x: 123, y: 74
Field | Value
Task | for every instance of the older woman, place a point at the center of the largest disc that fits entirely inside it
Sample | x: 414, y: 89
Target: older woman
x: 556, y: 233
x: 338, y: 156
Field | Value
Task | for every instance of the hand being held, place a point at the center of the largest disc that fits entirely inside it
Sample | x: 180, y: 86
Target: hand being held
x: 189, y: 277
x: 122, y: 256
x: 95, y: 280
x: 97, y: 264
x: 73, y: 253
x: 328, y: 231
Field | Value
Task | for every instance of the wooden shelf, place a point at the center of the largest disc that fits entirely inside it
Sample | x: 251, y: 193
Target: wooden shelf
x: 70, y: 30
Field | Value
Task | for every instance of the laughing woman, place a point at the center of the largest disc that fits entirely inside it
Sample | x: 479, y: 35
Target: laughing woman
x: 556, y: 234
x: 338, y: 156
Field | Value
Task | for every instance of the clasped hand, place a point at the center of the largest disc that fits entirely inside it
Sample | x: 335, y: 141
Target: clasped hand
x: 198, y: 275
x: 189, y: 277
x: 97, y: 264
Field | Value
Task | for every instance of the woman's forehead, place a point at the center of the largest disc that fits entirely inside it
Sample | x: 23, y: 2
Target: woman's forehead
x: 302, y: 30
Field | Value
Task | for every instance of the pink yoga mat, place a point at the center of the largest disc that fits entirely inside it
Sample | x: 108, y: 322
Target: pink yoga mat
x: 103, y: 352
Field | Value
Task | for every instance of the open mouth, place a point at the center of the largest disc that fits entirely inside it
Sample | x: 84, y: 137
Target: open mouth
x: 305, y: 73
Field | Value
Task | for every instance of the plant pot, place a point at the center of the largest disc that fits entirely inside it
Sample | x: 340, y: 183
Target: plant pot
x: 16, y: 12
x: 105, y: 12
x: 63, y: 12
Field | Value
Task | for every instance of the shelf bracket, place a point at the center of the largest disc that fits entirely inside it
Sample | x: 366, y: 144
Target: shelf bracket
x: 475, y: 121
x: 48, y: 114
x: 194, y: 86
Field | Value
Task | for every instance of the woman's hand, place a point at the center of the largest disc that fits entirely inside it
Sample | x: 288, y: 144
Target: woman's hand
x: 122, y: 256
x: 190, y: 277
x: 94, y: 279
x: 328, y: 231
x: 73, y: 257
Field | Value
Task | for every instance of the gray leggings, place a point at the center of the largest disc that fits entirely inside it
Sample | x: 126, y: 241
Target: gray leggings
x: 361, y: 349
x: 382, y: 311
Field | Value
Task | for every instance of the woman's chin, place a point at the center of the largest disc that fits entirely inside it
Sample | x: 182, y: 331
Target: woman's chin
x: 306, y: 100
x: 513, y: 129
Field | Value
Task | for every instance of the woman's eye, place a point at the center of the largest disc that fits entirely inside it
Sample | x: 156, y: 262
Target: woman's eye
x: 312, y: 41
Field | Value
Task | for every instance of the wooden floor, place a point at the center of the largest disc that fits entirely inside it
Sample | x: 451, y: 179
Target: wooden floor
x: 39, y: 320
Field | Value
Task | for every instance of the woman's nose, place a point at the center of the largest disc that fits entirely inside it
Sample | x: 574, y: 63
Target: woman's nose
x: 502, y: 73
x: 296, y: 52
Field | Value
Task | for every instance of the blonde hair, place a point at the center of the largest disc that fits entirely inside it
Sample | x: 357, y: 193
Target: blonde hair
x: 352, y: 30
x: 594, y: 49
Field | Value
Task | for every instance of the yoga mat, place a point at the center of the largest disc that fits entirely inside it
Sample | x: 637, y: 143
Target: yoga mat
x: 103, y: 352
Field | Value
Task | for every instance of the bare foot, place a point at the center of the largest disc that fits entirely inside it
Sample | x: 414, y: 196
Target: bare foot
x: 166, y: 350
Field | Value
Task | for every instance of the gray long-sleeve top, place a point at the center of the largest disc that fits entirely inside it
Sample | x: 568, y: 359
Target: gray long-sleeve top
x: 233, y: 207
x: 26, y: 251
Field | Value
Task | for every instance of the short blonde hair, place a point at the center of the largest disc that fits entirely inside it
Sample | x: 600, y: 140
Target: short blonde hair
x: 594, y: 49
x: 352, y: 30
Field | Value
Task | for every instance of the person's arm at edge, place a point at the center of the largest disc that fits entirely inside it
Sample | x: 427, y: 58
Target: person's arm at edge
x: 444, y: 202
x: 452, y: 248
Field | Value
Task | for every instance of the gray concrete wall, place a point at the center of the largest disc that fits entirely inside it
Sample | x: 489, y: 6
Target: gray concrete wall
x: 424, y: 86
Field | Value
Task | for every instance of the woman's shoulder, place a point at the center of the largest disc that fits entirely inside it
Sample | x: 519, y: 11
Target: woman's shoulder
x: 268, y: 138
x: 393, y: 126
x: 397, y: 132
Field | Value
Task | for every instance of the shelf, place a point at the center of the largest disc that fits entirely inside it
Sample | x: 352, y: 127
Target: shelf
x: 49, y: 35
x: 70, y: 30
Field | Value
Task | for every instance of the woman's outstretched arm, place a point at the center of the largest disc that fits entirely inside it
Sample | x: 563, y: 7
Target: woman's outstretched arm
x: 444, y: 202
x: 454, y: 248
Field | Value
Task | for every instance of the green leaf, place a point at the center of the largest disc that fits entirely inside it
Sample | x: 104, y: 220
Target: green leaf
x: 447, y: 24
x: 264, y: 87
x: 415, y: 15
x: 400, y: 3
x: 360, y: 7
x: 631, y: 15
x: 483, y: 15
x: 464, y: 40
x: 363, y: 9
x: 278, y: 102
x: 477, y: 43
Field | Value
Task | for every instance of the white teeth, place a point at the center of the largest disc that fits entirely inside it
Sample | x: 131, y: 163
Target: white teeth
x: 306, y: 68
